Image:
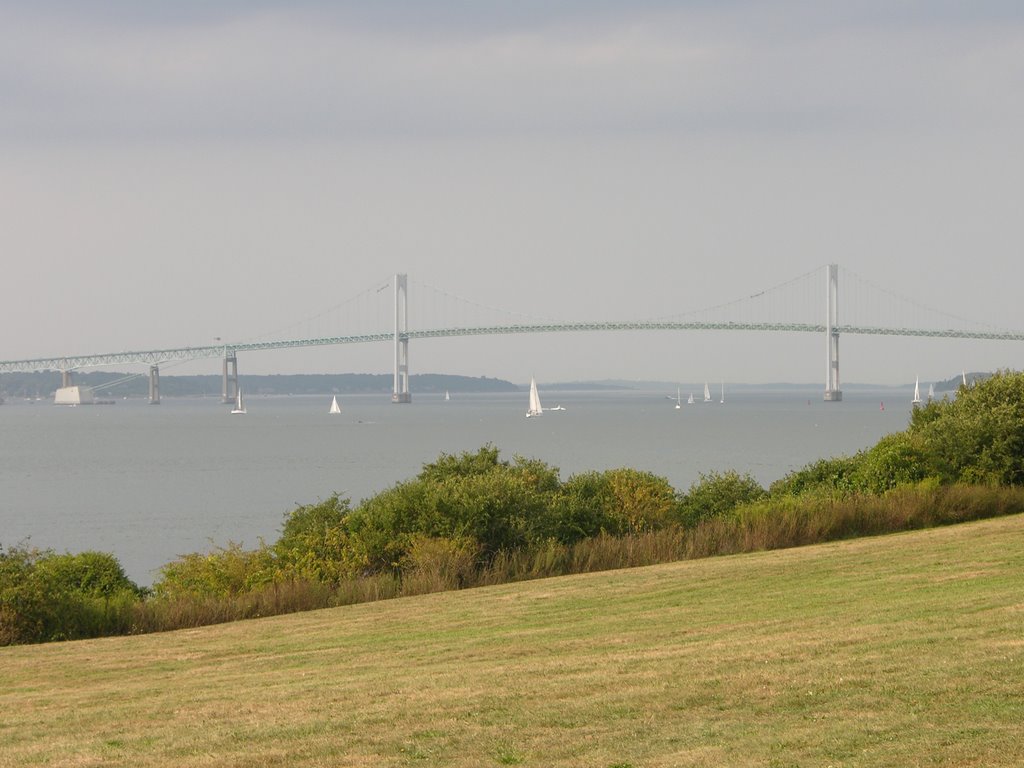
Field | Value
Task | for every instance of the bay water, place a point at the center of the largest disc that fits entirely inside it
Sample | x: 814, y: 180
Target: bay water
x: 150, y: 483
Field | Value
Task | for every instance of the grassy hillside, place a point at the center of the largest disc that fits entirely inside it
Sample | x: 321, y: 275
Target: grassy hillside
x: 900, y: 650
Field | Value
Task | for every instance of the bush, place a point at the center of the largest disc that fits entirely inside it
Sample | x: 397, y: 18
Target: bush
x: 717, y: 494
x: 225, y: 572
x: 830, y: 477
x: 314, y: 544
x: 897, y: 459
x: 979, y: 436
x: 638, y: 501
x: 47, y: 596
x: 616, y: 501
x: 497, y: 504
x: 90, y: 574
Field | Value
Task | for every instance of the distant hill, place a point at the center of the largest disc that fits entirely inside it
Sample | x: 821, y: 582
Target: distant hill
x: 44, y: 384
x: 953, y: 383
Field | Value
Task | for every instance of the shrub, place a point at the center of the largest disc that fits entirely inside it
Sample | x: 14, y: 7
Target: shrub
x: 474, y: 496
x: 638, y: 501
x: 47, y: 596
x: 897, y: 459
x: 831, y: 477
x: 314, y: 544
x: 979, y: 436
x: 579, y: 510
x: 616, y: 501
x: 225, y: 572
x: 90, y: 574
x: 717, y: 494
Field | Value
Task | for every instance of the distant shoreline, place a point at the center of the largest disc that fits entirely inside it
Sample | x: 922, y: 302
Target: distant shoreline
x: 42, y: 384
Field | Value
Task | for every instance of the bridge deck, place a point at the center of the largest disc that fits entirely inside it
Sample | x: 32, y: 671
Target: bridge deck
x: 158, y: 356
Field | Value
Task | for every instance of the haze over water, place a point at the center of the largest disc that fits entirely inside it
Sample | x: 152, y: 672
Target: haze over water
x: 149, y: 483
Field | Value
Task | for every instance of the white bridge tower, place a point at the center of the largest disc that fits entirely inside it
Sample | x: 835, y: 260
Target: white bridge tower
x: 832, y: 392
x: 400, y: 393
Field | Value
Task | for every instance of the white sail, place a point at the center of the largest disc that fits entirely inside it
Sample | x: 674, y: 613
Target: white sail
x: 335, y: 408
x: 917, y: 391
x: 689, y: 400
x: 447, y: 397
x: 723, y: 394
x: 931, y: 392
x: 679, y: 398
x: 535, y: 408
x: 707, y: 393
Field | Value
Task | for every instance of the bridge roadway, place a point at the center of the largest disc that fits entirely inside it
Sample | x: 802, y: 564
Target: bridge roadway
x: 158, y: 356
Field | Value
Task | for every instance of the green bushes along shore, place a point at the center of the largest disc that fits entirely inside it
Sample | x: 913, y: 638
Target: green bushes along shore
x: 475, y: 519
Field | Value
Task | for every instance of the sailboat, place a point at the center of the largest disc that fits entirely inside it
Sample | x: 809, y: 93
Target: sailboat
x: 239, y: 406
x: 931, y: 392
x: 722, y: 401
x: 917, y: 391
x: 335, y: 408
x: 689, y: 400
x: 534, y: 409
x: 447, y: 397
x: 679, y: 399
x: 707, y: 393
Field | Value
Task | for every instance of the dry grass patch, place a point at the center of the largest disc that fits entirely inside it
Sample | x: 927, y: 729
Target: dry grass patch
x: 900, y: 650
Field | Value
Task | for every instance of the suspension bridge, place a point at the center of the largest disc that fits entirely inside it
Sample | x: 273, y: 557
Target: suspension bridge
x: 806, y: 304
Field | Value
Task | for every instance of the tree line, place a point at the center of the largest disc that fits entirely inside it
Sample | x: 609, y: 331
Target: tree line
x: 42, y: 384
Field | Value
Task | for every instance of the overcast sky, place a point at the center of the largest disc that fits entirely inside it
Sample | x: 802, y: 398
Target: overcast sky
x: 179, y: 171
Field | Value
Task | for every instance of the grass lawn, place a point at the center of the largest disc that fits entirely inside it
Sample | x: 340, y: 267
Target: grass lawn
x: 903, y: 650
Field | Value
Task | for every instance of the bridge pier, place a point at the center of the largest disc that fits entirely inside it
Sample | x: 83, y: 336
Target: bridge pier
x: 65, y: 379
x: 229, y: 390
x: 400, y: 392
x: 154, y: 385
x: 832, y: 392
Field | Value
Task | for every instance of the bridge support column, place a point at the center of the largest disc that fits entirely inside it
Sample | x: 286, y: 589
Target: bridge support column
x: 154, y: 385
x: 229, y: 391
x: 400, y: 393
x: 65, y: 379
x: 832, y: 392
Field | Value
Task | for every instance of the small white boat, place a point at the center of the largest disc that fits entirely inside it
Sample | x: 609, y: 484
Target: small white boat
x: 722, y: 401
x: 534, y: 408
x: 447, y: 397
x: 679, y: 399
x: 689, y: 400
x: 335, y: 408
x: 931, y: 392
x: 707, y: 393
x: 239, y: 405
x: 557, y: 408
x: 917, y: 391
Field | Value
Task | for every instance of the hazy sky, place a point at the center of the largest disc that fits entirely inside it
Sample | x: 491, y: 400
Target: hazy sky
x: 179, y: 171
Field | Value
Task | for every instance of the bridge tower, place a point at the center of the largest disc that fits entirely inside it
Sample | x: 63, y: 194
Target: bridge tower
x: 400, y: 393
x: 832, y: 392
x: 154, y: 385
x: 229, y: 390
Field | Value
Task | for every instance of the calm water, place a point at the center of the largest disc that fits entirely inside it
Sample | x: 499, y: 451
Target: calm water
x: 149, y: 483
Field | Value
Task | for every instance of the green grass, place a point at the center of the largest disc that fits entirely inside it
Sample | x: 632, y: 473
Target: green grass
x: 899, y: 650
